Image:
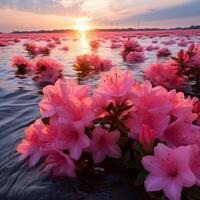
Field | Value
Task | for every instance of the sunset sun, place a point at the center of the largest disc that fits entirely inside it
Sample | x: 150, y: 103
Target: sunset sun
x: 82, y: 25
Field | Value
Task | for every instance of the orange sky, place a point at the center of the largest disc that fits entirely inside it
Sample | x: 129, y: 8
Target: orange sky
x: 63, y: 14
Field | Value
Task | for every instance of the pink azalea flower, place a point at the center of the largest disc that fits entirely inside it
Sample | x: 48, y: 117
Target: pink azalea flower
x: 165, y: 75
x: 169, y: 171
x: 182, y: 133
x: 99, y: 63
x: 164, y: 52
x: 32, y: 145
x: 151, y: 48
x: 152, y: 107
x: 129, y: 46
x: 77, y: 111
x: 94, y: 44
x: 116, y: 84
x: 195, y: 162
x: 99, y: 105
x: 104, y: 144
x: 88, y: 62
x: 83, y: 62
x: 34, y: 49
x: 56, y: 96
x: 183, y: 43
x: 60, y: 164
x: 196, y: 109
x: 67, y: 102
x: 135, y: 57
x: 182, y: 107
x: 75, y: 138
x: 47, y: 70
x: 169, y: 42
x: 22, y: 64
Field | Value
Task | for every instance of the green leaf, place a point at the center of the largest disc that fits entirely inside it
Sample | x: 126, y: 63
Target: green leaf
x: 175, y: 58
x: 109, y: 107
x: 141, y: 178
x: 192, y: 193
x: 139, y: 148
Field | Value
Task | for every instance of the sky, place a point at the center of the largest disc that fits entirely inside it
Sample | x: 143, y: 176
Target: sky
x: 64, y: 14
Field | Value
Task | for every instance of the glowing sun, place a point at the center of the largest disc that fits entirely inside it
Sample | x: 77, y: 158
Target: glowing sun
x: 82, y: 25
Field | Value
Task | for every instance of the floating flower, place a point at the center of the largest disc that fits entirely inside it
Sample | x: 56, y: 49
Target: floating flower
x: 87, y: 62
x: 164, y: 52
x: 22, y: 64
x: 32, y: 145
x: 47, y: 70
x: 94, y: 44
x: 135, y: 57
x: 165, y: 75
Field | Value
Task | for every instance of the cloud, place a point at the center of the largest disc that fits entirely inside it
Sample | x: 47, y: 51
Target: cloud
x: 48, y: 7
x: 186, y: 10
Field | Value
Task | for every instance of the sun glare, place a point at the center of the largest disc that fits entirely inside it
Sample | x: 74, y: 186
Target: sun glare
x: 82, y: 25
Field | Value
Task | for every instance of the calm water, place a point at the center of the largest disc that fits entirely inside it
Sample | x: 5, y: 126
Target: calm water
x: 19, y: 97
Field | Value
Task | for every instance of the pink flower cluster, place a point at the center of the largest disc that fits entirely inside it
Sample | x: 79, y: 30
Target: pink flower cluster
x: 164, y: 52
x: 151, y: 48
x: 44, y: 69
x: 22, y: 64
x: 47, y: 70
x: 74, y: 123
x: 176, y: 72
x: 87, y: 62
x: 94, y: 44
x: 132, y: 51
x: 34, y: 49
x: 165, y: 75
x: 189, y: 58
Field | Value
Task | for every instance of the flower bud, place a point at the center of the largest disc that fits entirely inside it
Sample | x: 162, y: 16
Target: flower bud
x: 146, y: 138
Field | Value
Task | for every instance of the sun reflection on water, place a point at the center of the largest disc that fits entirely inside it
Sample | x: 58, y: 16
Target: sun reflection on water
x: 84, y: 41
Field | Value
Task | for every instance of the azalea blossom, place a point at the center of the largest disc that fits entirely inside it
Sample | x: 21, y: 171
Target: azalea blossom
x: 169, y: 171
x: 195, y: 162
x: 94, y: 44
x: 116, y: 84
x: 151, y: 107
x: 22, y: 64
x: 67, y: 102
x: 32, y: 145
x: 103, y: 144
x: 129, y: 46
x: 88, y: 62
x: 164, y: 52
x: 60, y: 164
x: 135, y: 57
x: 165, y: 75
x: 75, y: 139
x: 47, y: 70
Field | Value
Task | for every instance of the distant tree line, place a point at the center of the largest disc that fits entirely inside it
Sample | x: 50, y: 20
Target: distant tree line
x: 111, y: 30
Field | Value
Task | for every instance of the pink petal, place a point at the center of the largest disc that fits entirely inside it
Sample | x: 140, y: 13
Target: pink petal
x: 173, y: 191
x: 114, y: 151
x: 155, y: 183
x: 98, y: 156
